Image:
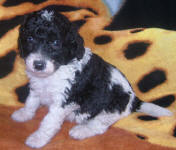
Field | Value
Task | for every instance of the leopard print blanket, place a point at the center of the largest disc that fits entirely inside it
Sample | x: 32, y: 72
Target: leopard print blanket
x: 146, y: 56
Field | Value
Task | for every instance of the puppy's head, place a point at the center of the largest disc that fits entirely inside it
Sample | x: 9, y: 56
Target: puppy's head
x: 48, y: 40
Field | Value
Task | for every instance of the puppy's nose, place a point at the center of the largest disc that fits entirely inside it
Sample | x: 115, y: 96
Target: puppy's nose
x: 39, y: 65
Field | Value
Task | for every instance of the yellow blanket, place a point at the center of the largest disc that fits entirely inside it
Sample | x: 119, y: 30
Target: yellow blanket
x: 147, y: 57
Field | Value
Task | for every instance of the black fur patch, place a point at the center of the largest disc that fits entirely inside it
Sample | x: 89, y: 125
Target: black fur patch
x: 147, y: 118
x: 63, y: 8
x: 119, y: 99
x: 91, y: 89
x: 6, y: 25
x: 8, y: 3
x: 79, y: 23
x: 151, y: 80
x: 102, y: 39
x: 136, y: 30
x: 141, y: 137
x: 136, y: 104
x: 6, y: 64
x: 22, y: 92
x: 165, y: 101
x: 61, y: 43
x: 136, y: 49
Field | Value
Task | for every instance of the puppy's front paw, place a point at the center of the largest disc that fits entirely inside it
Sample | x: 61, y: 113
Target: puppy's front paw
x: 22, y: 115
x: 37, y: 140
x: 80, y: 132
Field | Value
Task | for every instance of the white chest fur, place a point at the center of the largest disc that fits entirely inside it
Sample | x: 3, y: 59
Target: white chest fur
x: 53, y: 89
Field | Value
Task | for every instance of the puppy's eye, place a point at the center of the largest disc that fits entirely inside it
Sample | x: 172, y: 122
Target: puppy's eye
x: 30, y: 39
x: 56, y: 42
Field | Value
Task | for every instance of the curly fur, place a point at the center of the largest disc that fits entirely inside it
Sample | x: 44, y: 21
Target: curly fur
x: 74, y: 83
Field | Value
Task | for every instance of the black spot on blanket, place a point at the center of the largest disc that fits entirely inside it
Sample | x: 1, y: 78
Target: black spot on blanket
x: 22, y: 92
x: 63, y: 8
x: 141, y: 137
x: 9, y: 3
x: 151, y: 80
x: 147, y: 118
x: 136, y: 49
x: 102, y: 39
x: 92, y: 10
x: 164, y: 101
x: 6, y: 25
x: 6, y: 63
x: 137, y: 30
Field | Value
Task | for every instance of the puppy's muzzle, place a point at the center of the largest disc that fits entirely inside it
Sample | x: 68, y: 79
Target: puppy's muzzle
x: 39, y: 65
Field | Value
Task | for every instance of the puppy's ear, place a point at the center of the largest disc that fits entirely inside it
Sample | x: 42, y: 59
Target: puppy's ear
x: 22, y: 33
x: 75, y: 42
x: 20, y: 48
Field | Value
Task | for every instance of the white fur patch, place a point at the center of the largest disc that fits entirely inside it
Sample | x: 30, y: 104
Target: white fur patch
x: 118, y: 78
x: 81, y: 118
x: 30, y: 65
x: 47, y: 15
x: 35, y: 140
x: 95, y: 126
x: 80, y: 132
x: 28, y: 112
x: 22, y: 115
x: 71, y: 117
x: 154, y: 110
x: 52, y: 88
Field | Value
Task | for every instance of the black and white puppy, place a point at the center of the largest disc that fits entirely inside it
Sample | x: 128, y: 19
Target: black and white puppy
x: 74, y: 83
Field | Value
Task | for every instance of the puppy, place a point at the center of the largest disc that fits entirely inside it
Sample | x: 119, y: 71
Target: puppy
x: 74, y: 83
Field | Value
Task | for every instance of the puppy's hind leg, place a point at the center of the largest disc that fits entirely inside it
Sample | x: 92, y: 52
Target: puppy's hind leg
x: 94, y: 126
